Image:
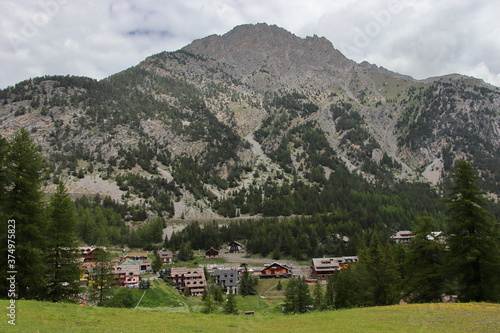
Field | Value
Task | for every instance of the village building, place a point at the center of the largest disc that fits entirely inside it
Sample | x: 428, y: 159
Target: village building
x: 90, y: 253
x: 437, y: 236
x: 127, y: 275
x: 403, y: 237
x: 135, y: 256
x: 276, y: 270
x: 322, y: 268
x: 144, y: 265
x: 191, y: 278
x: 235, y: 247
x: 211, y: 253
x: 166, y: 256
x: 227, y: 279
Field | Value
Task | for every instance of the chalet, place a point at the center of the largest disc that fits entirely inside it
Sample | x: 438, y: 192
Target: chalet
x: 166, y: 256
x: 276, y: 270
x: 127, y: 275
x: 403, y: 237
x: 191, y: 278
x: 212, y: 253
x: 322, y: 268
x: 90, y: 253
x: 235, y: 247
x: 144, y: 265
x: 135, y: 256
x: 227, y: 279
x: 437, y: 236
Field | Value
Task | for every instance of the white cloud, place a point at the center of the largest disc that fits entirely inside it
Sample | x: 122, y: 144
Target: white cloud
x: 97, y: 38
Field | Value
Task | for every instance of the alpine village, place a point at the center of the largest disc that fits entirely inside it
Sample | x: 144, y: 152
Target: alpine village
x: 253, y: 174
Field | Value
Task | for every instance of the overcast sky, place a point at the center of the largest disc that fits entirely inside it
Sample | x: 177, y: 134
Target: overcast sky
x: 97, y: 38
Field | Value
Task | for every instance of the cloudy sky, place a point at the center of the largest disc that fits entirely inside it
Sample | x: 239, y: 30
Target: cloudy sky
x: 97, y: 38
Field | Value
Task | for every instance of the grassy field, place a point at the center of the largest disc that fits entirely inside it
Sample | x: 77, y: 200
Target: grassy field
x: 32, y: 316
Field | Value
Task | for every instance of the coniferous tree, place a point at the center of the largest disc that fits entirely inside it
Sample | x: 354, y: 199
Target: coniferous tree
x: 473, y: 239
x: 230, y: 305
x: 185, y: 252
x: 209, y: 305
x: 247, y: 284
x: 318, y: 296
x: 348, y: 292
x: 424, y: 281
x: 101, y: 278
x: 297, y: 296
x: 64, y: 270
x: 24, y: 204
x: 156, y: 264
x: 330, y: 292
x: 4, y: 182
x: 379, y: 274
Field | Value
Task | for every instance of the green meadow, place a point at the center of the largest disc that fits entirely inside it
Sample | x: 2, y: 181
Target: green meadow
x: 33, y: 316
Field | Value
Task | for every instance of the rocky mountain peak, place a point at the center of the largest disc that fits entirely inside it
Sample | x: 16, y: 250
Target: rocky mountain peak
x: 269, y: 57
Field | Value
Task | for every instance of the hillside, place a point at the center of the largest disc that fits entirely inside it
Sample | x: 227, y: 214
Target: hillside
x: 50, y: 317
x: 256, y: 118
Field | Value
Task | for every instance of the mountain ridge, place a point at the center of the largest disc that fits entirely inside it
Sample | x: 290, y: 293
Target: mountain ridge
x: 188, y: 118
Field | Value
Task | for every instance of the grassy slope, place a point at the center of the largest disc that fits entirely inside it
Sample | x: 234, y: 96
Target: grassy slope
x: 35, y: 316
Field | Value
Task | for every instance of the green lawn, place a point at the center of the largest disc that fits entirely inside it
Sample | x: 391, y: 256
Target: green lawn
x: 35, y: 316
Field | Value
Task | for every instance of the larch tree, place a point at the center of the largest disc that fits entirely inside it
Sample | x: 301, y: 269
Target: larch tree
x: 24, y: 204
x: 473, y: 238
x: 424, y: 265
x: 63, y: 268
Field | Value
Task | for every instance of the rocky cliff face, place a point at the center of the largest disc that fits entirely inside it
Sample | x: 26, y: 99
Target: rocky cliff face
x: 189, y: 118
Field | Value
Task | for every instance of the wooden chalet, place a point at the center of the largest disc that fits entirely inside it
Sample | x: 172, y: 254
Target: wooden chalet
x: 403, y: 237
x: 127, y: 275
x: 212, y: 253
x: 276, y: 270
x: 235, y: 247
x: 322, y: 268
x: 135, y: 256
x: 191, y: 278
x: 166, y: 256
x: 90, y: 253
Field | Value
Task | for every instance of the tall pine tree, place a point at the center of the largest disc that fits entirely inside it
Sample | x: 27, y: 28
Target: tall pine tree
x: 473, y: 238
x: 64, y: 272
x: 424, y: 263
x: 24, y: 204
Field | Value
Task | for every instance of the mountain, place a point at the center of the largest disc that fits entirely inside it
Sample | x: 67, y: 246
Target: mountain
x: 256, y: 121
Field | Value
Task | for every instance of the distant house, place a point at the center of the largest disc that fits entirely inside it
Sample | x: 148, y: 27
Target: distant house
x: 276, y: 270
x: 144, y: 265
x: 437, y: 236
x: 190, y: 278
x: 90, y: 253
x: 166, y: 256
x: 127, y: 275
x: 212, y: 253
x: 403, y: 237
x: 235, y: 247
x: 322, y: 268
x: 227, y: 279
x: 135, y: 256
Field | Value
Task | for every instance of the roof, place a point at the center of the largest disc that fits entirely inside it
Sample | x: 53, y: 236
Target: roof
x: 435, y: 234
x: 332, y: 263
x: 276, y: 264
x: 212, y: 249
x: 236, y: 243
x: 127, y: 262
x: 405, y: 234
x: 165, y: 254
x: 186, y: 271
